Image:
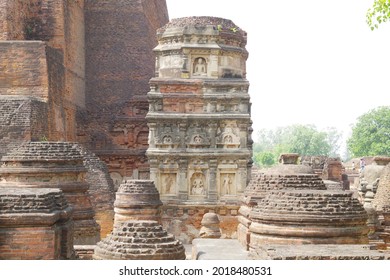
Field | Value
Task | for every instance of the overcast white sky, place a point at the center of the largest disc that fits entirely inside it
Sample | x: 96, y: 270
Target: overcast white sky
x: 310, y: 61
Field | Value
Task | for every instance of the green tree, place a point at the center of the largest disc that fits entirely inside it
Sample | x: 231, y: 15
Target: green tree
x: 302, y: 139
x: 371, y: 134
x: 378, y: 13
x: 306, y: 140
x: 266, y: 158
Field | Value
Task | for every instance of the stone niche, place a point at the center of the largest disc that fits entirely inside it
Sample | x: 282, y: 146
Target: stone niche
x: 199, y: 120
x: 35, y: 224
x: 54, y: 165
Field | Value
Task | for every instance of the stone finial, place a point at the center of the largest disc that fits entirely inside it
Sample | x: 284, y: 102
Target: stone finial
x: 210, y: 226
x: 137, y: 200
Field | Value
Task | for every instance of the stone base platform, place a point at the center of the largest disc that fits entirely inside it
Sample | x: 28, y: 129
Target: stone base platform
x: 319, y: 252
x: 217, y: 249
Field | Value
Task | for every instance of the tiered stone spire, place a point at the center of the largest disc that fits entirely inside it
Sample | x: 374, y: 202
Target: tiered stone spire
x: 200, y: 142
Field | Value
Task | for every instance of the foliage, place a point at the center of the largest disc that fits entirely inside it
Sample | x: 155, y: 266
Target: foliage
x: 378, y: 13
x: 265, y: 158
x: 305, y: 140
x: 371, y: 134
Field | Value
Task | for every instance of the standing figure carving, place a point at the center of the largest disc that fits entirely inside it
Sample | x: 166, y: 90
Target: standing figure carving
x: 198, y: 186
x: 227, y: 184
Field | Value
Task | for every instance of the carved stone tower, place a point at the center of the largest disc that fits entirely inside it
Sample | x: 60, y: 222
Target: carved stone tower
x: 199, y: 121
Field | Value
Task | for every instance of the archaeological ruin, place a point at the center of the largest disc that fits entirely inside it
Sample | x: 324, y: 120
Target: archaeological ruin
x: 137, y: 233
x: 57, y: 165
x: 128, y: 136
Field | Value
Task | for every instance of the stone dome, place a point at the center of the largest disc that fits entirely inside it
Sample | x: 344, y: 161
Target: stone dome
x: 309, y: 217
x: 137, y: 200
x: 284, y: 176
x: 139, y: 240
x: 289, y: 204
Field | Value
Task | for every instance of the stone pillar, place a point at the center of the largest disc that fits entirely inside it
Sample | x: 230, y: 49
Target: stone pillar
x: 212, y: 194
x: 183, y: 191
x: 152, y: 132
x: 35, y: 224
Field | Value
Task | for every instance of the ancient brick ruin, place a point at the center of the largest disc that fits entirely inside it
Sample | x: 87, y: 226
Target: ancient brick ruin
x: 139, y: 240
x: 86, y: 83
x: 101, y: 190
x: 57, y: 165
x: 35, y: 224
x: 66, y: 76
x: 289, y: 204
x: 119, y: 62
x: 138, y: 234
x: 137, y: 200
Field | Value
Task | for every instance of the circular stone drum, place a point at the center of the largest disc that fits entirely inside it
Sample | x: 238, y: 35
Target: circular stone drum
x: 137, y: 200
x: 308, y: 217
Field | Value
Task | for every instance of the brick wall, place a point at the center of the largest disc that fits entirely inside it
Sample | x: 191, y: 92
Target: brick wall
x: 29, y: 244
x: 120, y: 37
x: 60, y: 24
x: 21, y: 119
x: 23, y: 69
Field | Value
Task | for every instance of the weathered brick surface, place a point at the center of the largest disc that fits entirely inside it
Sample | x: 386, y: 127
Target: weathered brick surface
x: 101, y: 190
x: 84, y: 252
x: 317, y: 217
x: 35, y: 224
x: 21, y: 119
x: 120, y: 37
x: 289, y: 204
x: 139, y: 240
x: 137, y: 200
x: 53, y: 165
x: 23, y: 69
x: 55, y: 69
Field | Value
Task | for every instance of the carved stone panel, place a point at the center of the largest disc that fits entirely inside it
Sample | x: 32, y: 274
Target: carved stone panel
x: 168, y: 183
x: 227, y: 184
x: 198, y: 184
